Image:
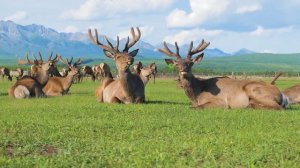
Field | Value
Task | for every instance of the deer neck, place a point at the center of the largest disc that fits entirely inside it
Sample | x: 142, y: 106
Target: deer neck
x: 144, y: 79
x: 191, y: 85
x: 125, y: 80
x: 68, y: 80
x: 42, y: 76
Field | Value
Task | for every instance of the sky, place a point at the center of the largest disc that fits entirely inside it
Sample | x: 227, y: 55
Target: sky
x: 258, y: 25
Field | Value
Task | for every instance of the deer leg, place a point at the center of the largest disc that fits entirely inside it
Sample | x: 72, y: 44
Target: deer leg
x: 215, y: 103
x: 265, y: 104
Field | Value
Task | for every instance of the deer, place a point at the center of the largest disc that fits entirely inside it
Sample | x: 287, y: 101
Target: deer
x: 145, y: 72
x: 5, y: 72
x: 18, y: 73
x: 128, y: 88
x: 29, y: 86
x: 87, y: 70
x: 58, y: 86
x: 69, y: 63
x: 53, y: 71
x: 221, y: 92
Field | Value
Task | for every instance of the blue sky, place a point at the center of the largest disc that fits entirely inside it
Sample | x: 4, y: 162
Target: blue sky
x: 259, y: 25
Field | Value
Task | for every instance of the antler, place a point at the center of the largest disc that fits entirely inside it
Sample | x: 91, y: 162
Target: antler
x: 70, y: 62
x: 50, y: 56
x: 168, y: 52
x: 41, y: 59
x: 78, y: 62
x: 63, y: 61
x: 198, y: 49
x: 135, y: 39
x: 96, y: 41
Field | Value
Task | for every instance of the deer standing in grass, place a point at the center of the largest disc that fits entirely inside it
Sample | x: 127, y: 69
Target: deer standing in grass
x: 221, y: 92
x: 58, y: 86
x: 29, y: 86
x: 127, y: 88
x: 145, y: 72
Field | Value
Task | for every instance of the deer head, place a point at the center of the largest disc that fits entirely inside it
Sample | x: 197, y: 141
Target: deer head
x: 72, y: 68
x: 122, y: 59
x: 184, y: 65
x: 145, y: 71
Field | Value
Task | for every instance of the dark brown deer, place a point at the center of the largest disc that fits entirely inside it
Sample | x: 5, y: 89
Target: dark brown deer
x: 145, y: 72
x: 58, y: 86
x: 29, y: 86
x: 5, y: 72
x: 87, y: 71
x: 221, y: 92
x: 127, y: 88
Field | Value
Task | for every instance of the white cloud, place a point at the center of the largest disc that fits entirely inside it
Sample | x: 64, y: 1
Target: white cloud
x: 104, y: 8
x: 201, y: 11
x: 145, y: 31
x: 248, y: 8
x: 187, y: 36
x: 205, y: 10
x: 71, y: 29
x: 261, y: 31
x: 17, y: 16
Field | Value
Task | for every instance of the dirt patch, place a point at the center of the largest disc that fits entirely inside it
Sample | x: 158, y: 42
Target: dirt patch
x: 9, y: 150
x: 48, y: 150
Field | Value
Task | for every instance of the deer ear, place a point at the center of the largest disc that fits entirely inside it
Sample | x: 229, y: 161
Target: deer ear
x: 109, y: 54
x: 170, y: 61
x: 153, y: 66
x: 198, y: 58
x: 134, y: 52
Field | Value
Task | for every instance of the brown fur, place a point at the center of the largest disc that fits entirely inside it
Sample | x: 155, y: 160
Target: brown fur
x: 58, y: 86
x: 127, y: 88
x: 221, y: 92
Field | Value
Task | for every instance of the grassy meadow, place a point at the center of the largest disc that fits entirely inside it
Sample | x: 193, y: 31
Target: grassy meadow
x: 76, y: 131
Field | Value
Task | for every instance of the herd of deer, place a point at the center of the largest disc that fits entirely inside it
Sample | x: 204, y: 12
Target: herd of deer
x: 129, y: 85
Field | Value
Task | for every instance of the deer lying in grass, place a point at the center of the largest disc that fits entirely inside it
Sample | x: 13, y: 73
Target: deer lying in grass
x: 69, y: 64
x: 29, y: 86
x: 127, y: 88
x: 145, y: 72
x: 5, y: 72
x: 53, y: 71
x: 58, y: 86
x: 221, y: 92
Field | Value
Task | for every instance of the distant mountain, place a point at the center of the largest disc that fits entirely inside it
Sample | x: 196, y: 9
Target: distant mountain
x: 243, y: 51
x: 16, y: 40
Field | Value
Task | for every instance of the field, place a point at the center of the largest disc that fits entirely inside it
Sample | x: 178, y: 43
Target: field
x: 75, y: 131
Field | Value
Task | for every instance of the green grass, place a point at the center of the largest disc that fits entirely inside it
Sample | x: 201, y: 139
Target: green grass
x: 75, y: 131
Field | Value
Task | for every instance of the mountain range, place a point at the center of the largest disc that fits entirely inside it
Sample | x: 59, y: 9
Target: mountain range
x: 16, y: 40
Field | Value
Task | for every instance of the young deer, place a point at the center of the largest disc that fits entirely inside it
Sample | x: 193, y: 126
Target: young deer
x: 127, y: 88
x: 221, y: 92
x: 29, y: 86
x: 58, y: 86
x: 145, y: 72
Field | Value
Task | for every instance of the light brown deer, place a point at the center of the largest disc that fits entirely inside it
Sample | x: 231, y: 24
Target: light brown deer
x: 127, y: 88
x: 53, y: 71
x: 18, y: 73
x: 221, y: 92
x: 58, y: 86
x: 102, y: 70
x: 29, y: 86
x: 145, y: 72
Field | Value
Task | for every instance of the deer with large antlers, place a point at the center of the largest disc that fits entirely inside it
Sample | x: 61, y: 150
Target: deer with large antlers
x: 29, y: 86
x: 58, y: 86
x: 221, y: 92
x: 128, y: 88
x: 53, y: 71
